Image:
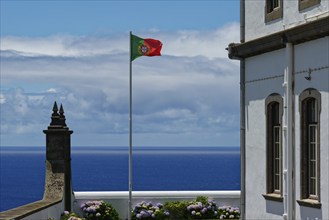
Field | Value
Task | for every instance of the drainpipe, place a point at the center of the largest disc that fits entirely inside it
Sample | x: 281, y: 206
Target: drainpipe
x: 289, y: 194
x: 242, y: 117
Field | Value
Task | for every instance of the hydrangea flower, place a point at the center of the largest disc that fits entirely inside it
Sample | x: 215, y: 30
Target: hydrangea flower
x: 202, y: 208
x: 228, y: 212
x: 99, y: 210
x: 148, y: 211
x: 70, y: 216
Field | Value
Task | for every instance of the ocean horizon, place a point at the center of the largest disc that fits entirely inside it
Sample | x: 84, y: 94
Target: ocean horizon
x: 22, y: 170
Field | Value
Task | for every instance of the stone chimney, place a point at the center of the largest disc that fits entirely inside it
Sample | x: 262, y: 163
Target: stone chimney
x: 58, y: 184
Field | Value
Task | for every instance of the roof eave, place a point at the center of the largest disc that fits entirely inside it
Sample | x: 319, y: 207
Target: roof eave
x: 296, y: 35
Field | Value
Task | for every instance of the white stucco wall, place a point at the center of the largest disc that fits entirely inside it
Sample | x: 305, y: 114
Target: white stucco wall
x: 255, y: 17
x: 312, y: 54
x: 258, y: 67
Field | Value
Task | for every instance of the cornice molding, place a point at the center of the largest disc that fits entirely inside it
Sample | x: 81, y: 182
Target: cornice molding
x: 296, y: 35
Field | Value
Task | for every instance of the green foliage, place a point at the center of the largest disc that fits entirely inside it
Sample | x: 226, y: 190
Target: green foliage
x: 177, y: 209
x: 202, y: 199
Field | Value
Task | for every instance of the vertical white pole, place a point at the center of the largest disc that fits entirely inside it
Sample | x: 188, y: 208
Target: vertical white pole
x: 242, y: 116
x: 130, y: 131
x: 290, y: 130
x: 288, y: 196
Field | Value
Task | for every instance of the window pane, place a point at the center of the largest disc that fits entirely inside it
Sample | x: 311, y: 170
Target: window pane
x: 312, y: 151
x: 277, y: 182
x: 277, y: 134
x: 312, y: 133
x: 275, y: 3
x: 312, y: 169
x: 312, y: 187
x: 276, y: 151
x: 272, y: 4
x: 311, y: 111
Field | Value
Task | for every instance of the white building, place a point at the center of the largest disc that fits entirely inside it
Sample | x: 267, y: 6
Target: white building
x: 284, y: 68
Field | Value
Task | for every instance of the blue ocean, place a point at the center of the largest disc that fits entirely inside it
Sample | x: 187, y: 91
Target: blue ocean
x: 22, y: 170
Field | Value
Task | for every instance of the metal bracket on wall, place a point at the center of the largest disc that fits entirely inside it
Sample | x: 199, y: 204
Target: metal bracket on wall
x: 309, y: 75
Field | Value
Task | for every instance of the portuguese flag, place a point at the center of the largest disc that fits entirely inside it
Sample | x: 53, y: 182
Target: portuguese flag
x: 144, y: 47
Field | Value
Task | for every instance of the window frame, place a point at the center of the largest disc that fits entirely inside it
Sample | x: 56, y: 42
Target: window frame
x: 272, y: 193
x: 272, y: 14
x: 307, y: 195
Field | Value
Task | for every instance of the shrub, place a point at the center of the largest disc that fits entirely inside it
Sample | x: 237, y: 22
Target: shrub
x: 99, y: 210
x: 70, y: 216
x: 147, y: 211
x: 177, y: 209
x: 202, y: 208
x: 228, y: 212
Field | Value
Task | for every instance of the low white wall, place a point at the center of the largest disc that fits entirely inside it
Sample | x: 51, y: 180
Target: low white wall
x: 119, y: 199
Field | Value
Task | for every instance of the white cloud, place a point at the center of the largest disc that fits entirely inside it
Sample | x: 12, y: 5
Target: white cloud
x: 189, y: 43
x: 192, y: 90
x: 52, y: 90
x: 2, y: 99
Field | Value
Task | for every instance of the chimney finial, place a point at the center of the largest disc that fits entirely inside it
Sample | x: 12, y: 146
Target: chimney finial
x: 62, y: 116
x: 55, y: 119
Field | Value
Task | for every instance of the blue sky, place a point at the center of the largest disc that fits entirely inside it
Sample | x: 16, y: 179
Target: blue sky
x: 76, y: 53
x: 42, y: 18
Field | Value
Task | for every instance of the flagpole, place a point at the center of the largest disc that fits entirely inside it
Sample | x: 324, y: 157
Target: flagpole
x: 130, y: 130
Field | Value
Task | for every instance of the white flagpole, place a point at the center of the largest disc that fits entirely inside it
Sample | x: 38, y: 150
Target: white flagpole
x: 130, y: 131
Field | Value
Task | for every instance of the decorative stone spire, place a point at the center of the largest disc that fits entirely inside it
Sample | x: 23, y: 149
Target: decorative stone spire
x: 55, y: 118
x: 62, y: 116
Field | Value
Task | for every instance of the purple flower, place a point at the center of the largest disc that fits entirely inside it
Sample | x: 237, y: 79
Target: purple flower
x: 66, y: 212
x: 98, y: 214
x: 193, y: 212
x: 98, y: 203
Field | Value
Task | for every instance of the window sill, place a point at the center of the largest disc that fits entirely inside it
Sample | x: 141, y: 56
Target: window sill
x: 307, y: 4
x: 310, y: 203
x: 273, y: 15
x: 273, y: 197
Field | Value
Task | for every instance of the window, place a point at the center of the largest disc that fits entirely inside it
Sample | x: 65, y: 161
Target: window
x: 274, y: 110
x: 272, y: 4
x: 310, y: 107
x: 273, y: 10
x: 303, y: 4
